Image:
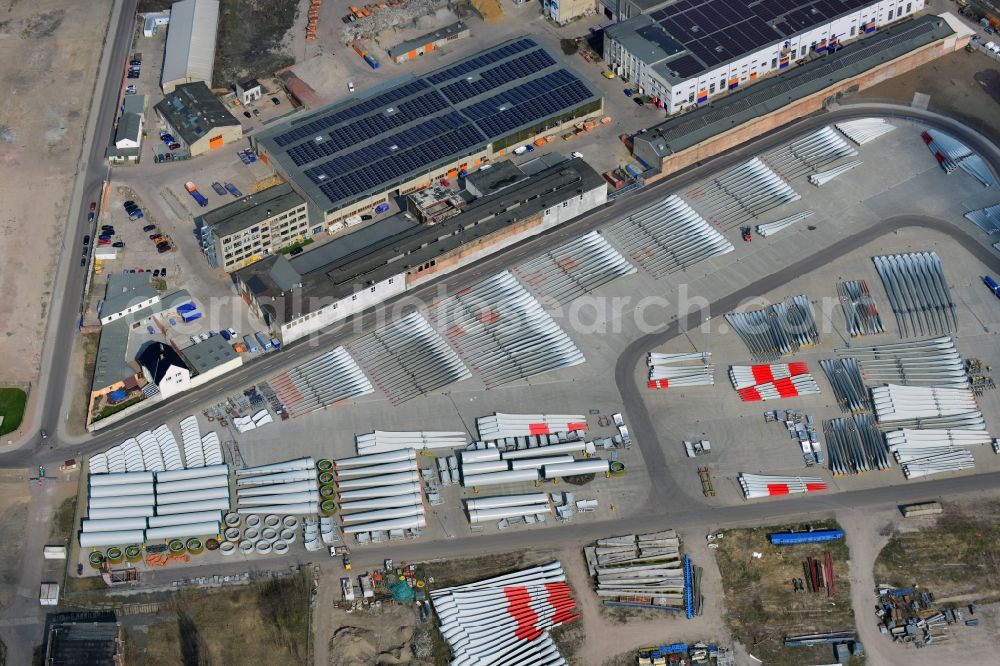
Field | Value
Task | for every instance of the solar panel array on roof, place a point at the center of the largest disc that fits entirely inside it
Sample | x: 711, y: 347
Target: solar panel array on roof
x: 717, y: 31
x: 527, y: 102
x: 490, y: 56
x: 503, y: 73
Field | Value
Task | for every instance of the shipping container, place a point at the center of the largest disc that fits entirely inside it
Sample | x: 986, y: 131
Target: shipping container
x: 250, y: 344
x: 792, y: 538
x: 263, y: 340
x: 48, y: 594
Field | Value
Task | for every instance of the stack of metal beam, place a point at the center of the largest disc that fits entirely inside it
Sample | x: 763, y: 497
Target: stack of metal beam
x: 638, y: 570
x: 924, y: 452
x: 288, y: 487
x: 863, y: 130
x: 380, y: 441
x: 665, y: 373
x: 824, y: 177
x: 573, y: 269
x: 783, y: 328
x: 810, y: 153
x: 987, y: 219
x: 507, y: 619
x: 844, y: 376
x: 499, y: 426
x: 408, y: 358
x: 503, y: 332
x: 742, y: 194
x: 380, y: 492
x: 760, y: 485
x: 952, y: 154
x: 485, y: 509
x: 918, y: 293
x: 771, y: 228
x: 859, y: 307
x: 325, y: 380
x: 669, y: 236
x: 854, y: 445
x: 932, y: 362
x: 897, y: 403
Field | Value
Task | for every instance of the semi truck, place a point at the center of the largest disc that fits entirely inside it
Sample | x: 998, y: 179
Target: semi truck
x: 250, y: 343
x: 198, y: 196
x: 263, y: 340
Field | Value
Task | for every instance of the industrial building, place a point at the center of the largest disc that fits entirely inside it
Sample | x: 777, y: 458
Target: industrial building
x: 91, y: 638
x: 347, y: 158
x: 126, y: 293
x: 414, y: 48
x: 151, y: 21
x: 163, y: 367
x: 347, y: 275
x: 211, y: 358
x: 197, y: 118
x: 565, y: 11
x: 682, y: 141
x: 683, y: 53
x: 190, y: 52
x: 127, y: 142
x: 249, y: 91
x: 247, y: 230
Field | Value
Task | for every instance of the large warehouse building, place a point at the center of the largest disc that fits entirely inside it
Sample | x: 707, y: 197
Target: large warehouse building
x: 190, y: 52
x: 196, y: 118
x: 299, y: 296
x: 347, y: 158
x: 684, y: 52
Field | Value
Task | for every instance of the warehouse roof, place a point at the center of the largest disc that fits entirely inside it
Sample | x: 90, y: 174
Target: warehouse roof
x: 397, y: 247
x: 690, y: 129
x: 193, y: 111
x: 696, y: 36
x: 73, y: 642
x: 209, y: 354
x: 446, y: 32
x: 125, y: 290
x: 250, y: 210
x: 129, y: 128
x: 190, y: 52
x: 134, y: 104
x: 498, y: 176
x: 394, y: 133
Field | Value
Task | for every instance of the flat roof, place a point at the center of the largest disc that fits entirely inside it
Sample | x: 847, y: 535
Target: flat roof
x: 389, y: 252
x: 190, y: 51
x: 694, y: 127
x: 392, y: 134
x: 124, y: 290
x: 250, y: 210
x: 423, y: 40
x: 498, y: 176
x: 209, y: 354
x: 692, y: 37
x: 193, y: 111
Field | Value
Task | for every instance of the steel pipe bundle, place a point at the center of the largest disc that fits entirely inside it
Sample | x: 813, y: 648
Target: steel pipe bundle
x: 933, y: 362
x: 918, y: 293
x: 859, y: 308
x: 854, y: 445
x: 119, y: 479
x: 503, y: 331
x: 325, y: 380
x: 113, y: 524
x: 370, y: 459
x: 987, y: 219
x: 301, y: 509
x: 575, y: 268
x: 759, y: 485
x: 506, y: 620
x: 287, y: 498
x: 193, y: 507
x: 185, y: 518
x: 382, y: 441
x: 479, y: 516
x: 824, y: 177
x: 663, y: 373
x: 408, y: 358
x: 669, y: 236
x: 498, y: 478
x: 789, y: 387
x: 744, y: 193
x: 123, y: 489
x: 577, y: 467
x: 810, y: 153
x: 745, y: 376
x: 863, y: 130
x: 191, y: 473
x: 844, y: 375
x: 121, y: 512
x: 201, y: 483
x: 122, y: 501
x: 896, y: 403
x: 276, y: 489
x: 952, y: 153
x: 501, y: 426
x: 782, y: 328
x: 771, y: 228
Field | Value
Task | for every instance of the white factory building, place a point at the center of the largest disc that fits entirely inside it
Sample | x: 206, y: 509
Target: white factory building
x: 683, y: 52
x: 190, y: 52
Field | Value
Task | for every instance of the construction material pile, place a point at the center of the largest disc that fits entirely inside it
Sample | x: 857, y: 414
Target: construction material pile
x: 801, y: 428
x: 507, y: 619
x: 817, y: 575
x: 760, y: 485
x: 644, y: 571
x: 665, y: 373
x: 777, y: 330
x: 860, y: 310
x: 754, y: 383
x: 913, y: 617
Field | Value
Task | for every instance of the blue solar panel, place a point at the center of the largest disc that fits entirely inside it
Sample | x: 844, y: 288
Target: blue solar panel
x: 501, y: 74
x: 487, y: 58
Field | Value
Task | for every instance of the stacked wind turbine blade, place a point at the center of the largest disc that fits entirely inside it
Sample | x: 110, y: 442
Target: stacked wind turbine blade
x: 810, y: 153
x: 754, y: 383
x: 745, y: 376
x: 854, y: 445
x: 782, y: 328
x: 844, y: 376
x: 863, y: 130
x: 381, y: 441
x: 507, y: 619
x: 987, y: 219
x: 932, y: 362
x: 663, y: 373
x: 824, y: 177
x: 963, y: 421
x: 575, y: 268
x: 859, y: 308
x: 951, y: 153
x: 925, y: 462
x: 897, y: 403
x: 771, y: 228
x: 329, y: 378
x: 909, y: 440
x: 743, y: 193
x: 498, y: 426
x: 646, y: 569
x: 760, y: 485
x: 918, y: 293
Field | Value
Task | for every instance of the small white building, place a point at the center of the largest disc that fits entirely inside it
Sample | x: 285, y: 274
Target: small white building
x: 129, y: 131
x: 249, y: 91
x: 126, y: 293
x: 153, y: 20
x: 163, y: 366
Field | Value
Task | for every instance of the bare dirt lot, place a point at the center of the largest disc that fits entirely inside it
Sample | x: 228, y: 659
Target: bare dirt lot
x: 252, y: 39
x: 45, y: 46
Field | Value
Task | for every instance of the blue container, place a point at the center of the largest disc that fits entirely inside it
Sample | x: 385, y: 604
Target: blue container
x: 371, y: 61
x: 992, y: 284
x: 819, y: 536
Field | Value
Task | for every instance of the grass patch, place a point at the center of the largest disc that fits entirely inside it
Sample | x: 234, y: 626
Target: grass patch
x: 761, y: 606
x: 62, y: 520
x: 267, y: 623
x: 301, y: 243
x: 114, y: 409
x: 958, y: 555
x: 12, y: 402
x: 250, y: 39
x: 88, y: 584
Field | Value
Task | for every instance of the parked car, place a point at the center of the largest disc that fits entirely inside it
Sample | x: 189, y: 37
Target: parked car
x: 638, y: 101
x: 86, y: 239
x: 93, y: 206
x: 136, y: 215
x: 118, y: 244
x: 232, y: 332
x: 275, y: 101
x: 163, y: 248
x: 577, y: 154
x: 133, y: 75
x: 174, y: 146
x: 247, y: 114
x: 107, y: 227
x: 90, y: 217
x: 83, y: 260
x: 166, y: 137
x: 296, y: 250
x: 350, y: 86
x: 156, y: 273
x: 149, y: 227
x: 381, y: 208
x: 153, y: 237
x: 163, y: 272
x: 225, y: 335
x: 256, y: 112
x: 628, y: 92
x: 365, y: 218
x: 608, y: 74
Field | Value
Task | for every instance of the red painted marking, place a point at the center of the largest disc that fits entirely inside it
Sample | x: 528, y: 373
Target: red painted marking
x: 577, y: 426
x: 658, y: 383
x: 463, y: 291
x: 519, y: 607
x: 489, y: 317
x: 797, y: 368
x: 777, y: 489
x: 761, y: 374
x: 750, y: 394
x: 785, y: 387
x: 538, y: 429
x: 815, y: 487
x: 926, y: 137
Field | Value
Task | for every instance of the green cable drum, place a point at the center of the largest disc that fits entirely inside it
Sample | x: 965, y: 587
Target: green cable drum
x: 115, y: 555
x: 133, y: 553
x: 194, y: 546
x: 176, y: 546
x: 327, y: 491
x: 96, y: 559
x: 617, y: 468
x: 328, y: 507
x: 325, y: 478
x: 324, y: 465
